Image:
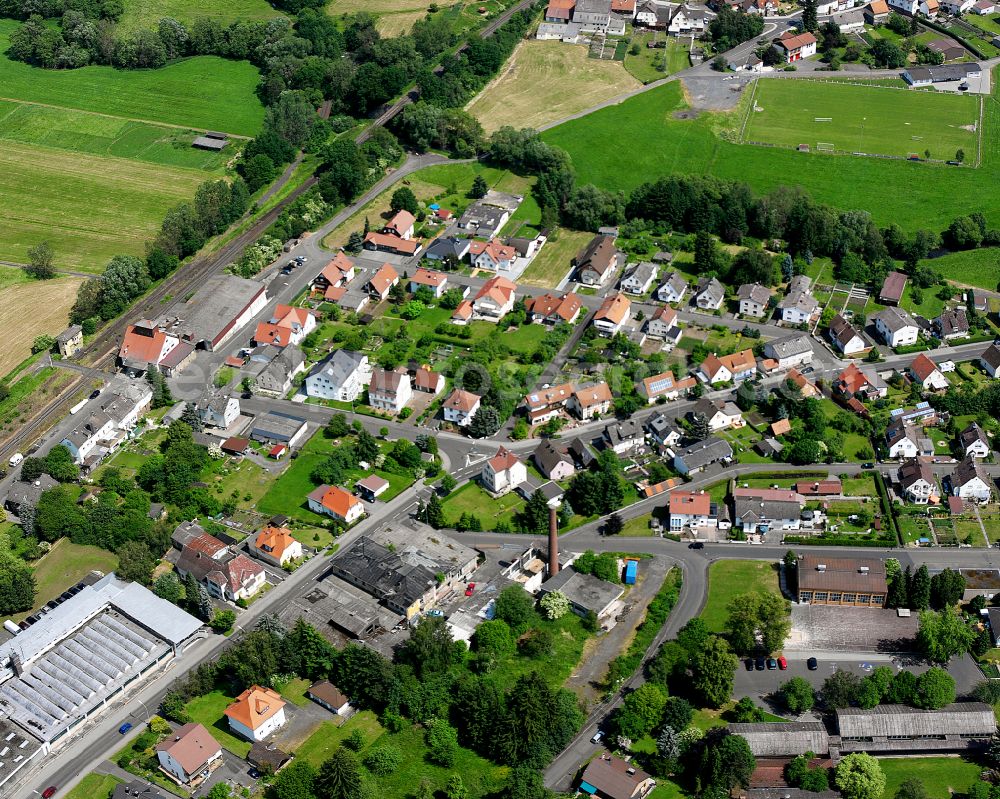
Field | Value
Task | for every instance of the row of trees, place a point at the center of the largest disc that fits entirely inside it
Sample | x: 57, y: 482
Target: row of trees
x: 432, y: 680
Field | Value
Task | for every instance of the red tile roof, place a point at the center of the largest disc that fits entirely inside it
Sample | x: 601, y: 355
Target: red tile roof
x: 400, y: 223
x: 614, y: 309
x: 383, y: 279
x: 393, y: 243
x: 691, y: 502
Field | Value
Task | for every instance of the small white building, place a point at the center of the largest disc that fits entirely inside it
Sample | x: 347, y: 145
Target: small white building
x: 389, y: 390
x: 503, y: 472
x: 896, y: 327
x: 189, y: 753
x: 460, y: 407
x: 219, y: 410
x: 256, y: 713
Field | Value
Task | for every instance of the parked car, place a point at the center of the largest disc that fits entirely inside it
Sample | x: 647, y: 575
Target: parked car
x: 867, y: 465
x: 15, y: 459
x: 782, y: 663
x: 254, y: 774
x: 772, y: 664
x: 95, y: 393
x: 49, y: 792
x: 812, y: 664
x: 434, y: 612
x: 749, y: 664
x: 471, y: 587
x: 125, y: 728
x: 759, y: 663
x: 598, y: 737
x: 696, y: 545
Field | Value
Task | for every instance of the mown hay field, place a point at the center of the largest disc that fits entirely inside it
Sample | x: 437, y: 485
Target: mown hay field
x: 546, y: 81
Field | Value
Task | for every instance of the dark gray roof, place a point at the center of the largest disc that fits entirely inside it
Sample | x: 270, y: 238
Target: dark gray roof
x: 583, y: 590
x: 25, y: 493
x: 702, y: 453
x: 675, y: 282
x: 581, y: 453
x: 841, y: 330
x: 620, y: 432
x: 968, y: 470
x: 765, y: 509
x: 971, y: 434
x: 276, y: 427
x: 953, y: 322
x: 220, y: 300
x: 547, y: 456
x: 641, y: 273
x: 944, y: 72
x: 895, y: 319
x: 383, y: 573
x: 70, y: 332
x: 445, y: 246
x: 754, y: 292
x: 278, y: 372
x: 339, y: 366
x: 912, y: 471
x: 711, y: 287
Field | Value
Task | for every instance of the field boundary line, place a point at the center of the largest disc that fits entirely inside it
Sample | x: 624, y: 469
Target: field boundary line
x: 979, y: 132
x: 126, y: 119
x: 750, y: 107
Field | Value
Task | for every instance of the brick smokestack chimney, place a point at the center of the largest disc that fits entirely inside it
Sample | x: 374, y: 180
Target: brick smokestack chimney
x: 553, y: 538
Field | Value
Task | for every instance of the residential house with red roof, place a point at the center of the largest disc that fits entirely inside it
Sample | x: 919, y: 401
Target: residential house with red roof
x: 925, y: 372
x: 492, y: 255
x: 275, y: 545
x: 222, y: 573
x: 691, y: 510
x: 189, y: 754
x: 385, y: 278
x: 552, y: 309
x: 614, y: 312
x: 430, y: 279
x: 338, y: 272
x: 460, y: 407
x: 589, y: 402
x: 494, y: 300
x: 734, y: 368
x: 795, y: 46
x: 547, y: 403
x: 876, y: 12
x: 146, y: 343
x: 664, y: 385
x: 335, y: 502
x: 503, y: 472
x: 559, y: 10
x: 287, y: 325
x: 256, y: 713
x: 401, y: 225
x: 855, y: 381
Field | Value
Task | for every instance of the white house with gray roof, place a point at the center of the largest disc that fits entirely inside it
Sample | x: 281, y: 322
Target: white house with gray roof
x: 673, y: 289
x: 896, y: 327
x: 638, y: 278
x: 709, y: 294
x: 794, y: 350
x: 698, y: 456
x: 753, y: 299
x: 341, y: 377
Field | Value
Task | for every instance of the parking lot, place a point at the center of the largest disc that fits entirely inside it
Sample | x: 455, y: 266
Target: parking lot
x: 758, y: 685
x: 831, y: 630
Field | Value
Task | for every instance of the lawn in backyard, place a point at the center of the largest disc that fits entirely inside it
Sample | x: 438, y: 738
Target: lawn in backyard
x: 941, y: 776
x: 545, y: 81
x: 295, y: 691
x: 646, y: 65
x: 867, y: 119
x: 204, y: 92
x: 94, y: 786
x: 554, y: 261
x: 730, y: 578
x: 472, y: 498
x: 88, y: 207
x: 99, y: 134
x: 288, y: 493
x: 661, y: 144
x: 148, y: 13
x: 208, y: 710
x: 479, y: 775
x: 64, y: 566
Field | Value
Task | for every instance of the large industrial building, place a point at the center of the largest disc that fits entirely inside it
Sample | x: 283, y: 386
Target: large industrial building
x: 81, y: 654
x: 860, y: 582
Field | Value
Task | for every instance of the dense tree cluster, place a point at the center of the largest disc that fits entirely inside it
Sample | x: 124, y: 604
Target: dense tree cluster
x: 730, y: 28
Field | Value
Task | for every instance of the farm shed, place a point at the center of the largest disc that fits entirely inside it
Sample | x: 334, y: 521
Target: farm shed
x: 898, y: 728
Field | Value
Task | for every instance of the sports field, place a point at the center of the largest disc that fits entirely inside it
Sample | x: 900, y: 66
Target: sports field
x: 206, y: 92
x: 88, y: 207
x: 660, y: 144
x: 545, y: 81
x: 97, y: 134
x: 148, y: 13
x: 862, y: 119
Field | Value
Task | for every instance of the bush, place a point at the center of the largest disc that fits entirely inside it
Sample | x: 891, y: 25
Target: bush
x: 383, y: 760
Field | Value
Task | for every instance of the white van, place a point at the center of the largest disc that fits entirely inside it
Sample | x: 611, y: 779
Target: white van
x: 16, y: 458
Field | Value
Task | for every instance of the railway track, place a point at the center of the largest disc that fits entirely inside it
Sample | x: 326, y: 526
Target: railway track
x: 101, y: 352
